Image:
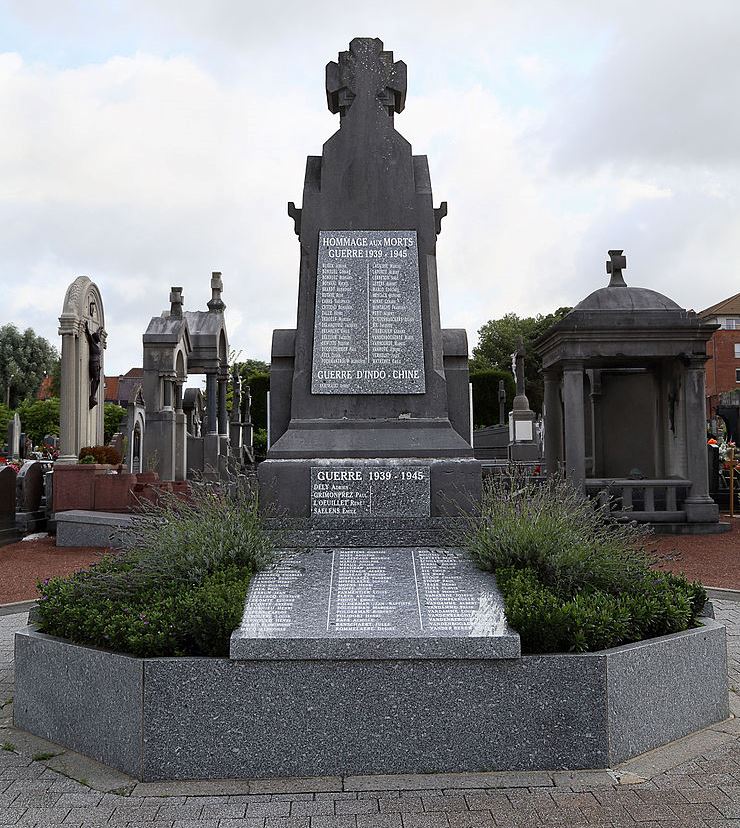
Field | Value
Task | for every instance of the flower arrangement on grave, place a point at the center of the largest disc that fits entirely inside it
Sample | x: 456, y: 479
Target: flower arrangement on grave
x: 11, y: 464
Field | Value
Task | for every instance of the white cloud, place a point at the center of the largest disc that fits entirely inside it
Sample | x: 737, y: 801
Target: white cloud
x: 173, y: 150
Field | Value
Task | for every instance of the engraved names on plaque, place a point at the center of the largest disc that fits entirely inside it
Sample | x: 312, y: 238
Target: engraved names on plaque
x: 370, y: 490
x: 367, y: 326
x: 370, y: 593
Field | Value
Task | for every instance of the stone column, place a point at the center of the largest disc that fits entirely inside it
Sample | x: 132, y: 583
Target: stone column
x: 68, y: 448
x: 180, y: 433
x: 700, y: 508
x: 575, y: 430
x: 553, y: 422
x: 223, y: 416
x: 211, y: 405
x: 597, y: 437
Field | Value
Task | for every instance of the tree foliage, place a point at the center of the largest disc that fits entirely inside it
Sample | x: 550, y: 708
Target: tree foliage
x: 485, y: 395
x: 24, y: 360
x: 112, y: 416
x: 256, y: 374
x: 39, y: 418
x: 498, y: 339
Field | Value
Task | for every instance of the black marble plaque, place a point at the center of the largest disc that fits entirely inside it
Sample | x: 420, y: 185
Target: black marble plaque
x: 376, y: 594
x: 367, y: 327
x: 364, y: 490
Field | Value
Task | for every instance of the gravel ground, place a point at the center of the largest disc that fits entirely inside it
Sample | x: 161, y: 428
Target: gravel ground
x: 24, y: 563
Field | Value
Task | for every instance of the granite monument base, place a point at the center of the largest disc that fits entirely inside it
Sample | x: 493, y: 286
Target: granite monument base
x: 199, y: 718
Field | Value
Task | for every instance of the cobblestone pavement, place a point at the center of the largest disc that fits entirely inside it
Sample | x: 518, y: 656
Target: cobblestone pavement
x: 695, y: 782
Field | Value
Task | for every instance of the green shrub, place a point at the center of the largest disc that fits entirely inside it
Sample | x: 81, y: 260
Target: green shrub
x: 572, y: 578
x: 178, y: 589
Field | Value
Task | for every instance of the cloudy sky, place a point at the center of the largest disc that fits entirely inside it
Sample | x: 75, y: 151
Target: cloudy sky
x: 145, y: 144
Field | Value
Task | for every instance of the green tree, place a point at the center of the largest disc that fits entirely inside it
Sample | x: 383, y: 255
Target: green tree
x: 24, y: 361
x: 39, y: 417
x: 485, y: 395
x: 256, y: 374
x: 6, y: 415
x: 112, y: 416
x: 497, y: 341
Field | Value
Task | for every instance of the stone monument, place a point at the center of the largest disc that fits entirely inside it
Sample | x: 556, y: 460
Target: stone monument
x: 370, y: 415
x: 523, y: 444
x: 82, y: 328
x: 14, y: 437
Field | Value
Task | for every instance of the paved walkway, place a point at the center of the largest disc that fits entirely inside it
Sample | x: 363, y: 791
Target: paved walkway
x: 694, y: 782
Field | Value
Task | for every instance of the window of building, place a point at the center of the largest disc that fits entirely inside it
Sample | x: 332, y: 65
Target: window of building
x: 737, y: 350
x: 732, y: 324
x: 737, y: 374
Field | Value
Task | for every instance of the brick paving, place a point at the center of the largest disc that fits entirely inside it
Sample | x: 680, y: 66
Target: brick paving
x: 702, y: 792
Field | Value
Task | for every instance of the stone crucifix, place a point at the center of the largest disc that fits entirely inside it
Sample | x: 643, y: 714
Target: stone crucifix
x: 616, y: 264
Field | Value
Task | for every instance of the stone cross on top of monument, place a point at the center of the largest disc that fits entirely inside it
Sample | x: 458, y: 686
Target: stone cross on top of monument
x: 616, y: 264
x: 366, y: 73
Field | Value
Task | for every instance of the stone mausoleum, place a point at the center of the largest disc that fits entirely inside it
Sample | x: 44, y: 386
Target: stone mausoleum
x: 624, y: 403
x: 178, y: 343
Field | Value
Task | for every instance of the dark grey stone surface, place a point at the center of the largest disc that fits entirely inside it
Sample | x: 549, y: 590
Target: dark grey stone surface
x: 366, y: 184
x: 216, y: 718
x: 318, y: 718
x: 30, y: 486
x: 7, y: 492
x: 87, y: 699
x: 640, y: 720
x: 454, y: 487
x: 388, y: 488
x: 367, y: 335
x: 80, y: 527
x: 374, y: 603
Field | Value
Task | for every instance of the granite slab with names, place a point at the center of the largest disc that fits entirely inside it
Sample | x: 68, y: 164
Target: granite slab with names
x: 374, y: 603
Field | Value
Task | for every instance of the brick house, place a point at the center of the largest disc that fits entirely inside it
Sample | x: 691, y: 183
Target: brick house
x: 723, y: 367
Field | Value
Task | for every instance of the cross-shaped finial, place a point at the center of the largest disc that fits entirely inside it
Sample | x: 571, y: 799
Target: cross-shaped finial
x: 217, y: 303
x: 368, y: 73
x: 616, y: 264
x: 176, y: 302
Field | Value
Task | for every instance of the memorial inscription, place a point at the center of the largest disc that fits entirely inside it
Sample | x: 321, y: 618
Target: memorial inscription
x: 382, y: 490
x: 374, y: 603
x: 367, y: 332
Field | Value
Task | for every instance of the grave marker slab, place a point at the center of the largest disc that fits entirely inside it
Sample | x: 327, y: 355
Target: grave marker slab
x: 374, y: 603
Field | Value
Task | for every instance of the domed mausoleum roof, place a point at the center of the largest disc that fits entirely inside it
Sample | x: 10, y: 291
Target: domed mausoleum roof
x: 618, y: 296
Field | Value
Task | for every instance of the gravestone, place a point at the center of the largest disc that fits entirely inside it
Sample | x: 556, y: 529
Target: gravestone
x: 14, y: 436
x: 8, y: 532
x: 369, y: 406
x: 523, y: 443
x: 30, y: 486
x: 360, y: 603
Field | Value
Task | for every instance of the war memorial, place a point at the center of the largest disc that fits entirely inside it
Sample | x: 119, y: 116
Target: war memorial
x: 374, y: 644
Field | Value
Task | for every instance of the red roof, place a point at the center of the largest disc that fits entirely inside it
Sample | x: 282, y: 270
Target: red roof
x: 111, y: 389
